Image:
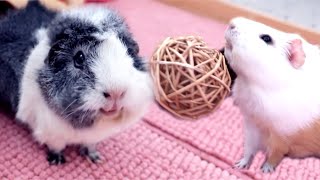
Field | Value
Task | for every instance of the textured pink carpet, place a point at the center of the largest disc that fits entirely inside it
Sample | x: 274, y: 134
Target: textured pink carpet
x: 160, y: 146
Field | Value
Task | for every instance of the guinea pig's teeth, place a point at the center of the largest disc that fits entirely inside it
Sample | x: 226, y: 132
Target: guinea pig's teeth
x: 111, y: 111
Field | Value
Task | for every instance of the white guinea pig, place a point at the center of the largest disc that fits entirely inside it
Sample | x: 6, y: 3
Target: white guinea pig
x: 277, y: 91
x: 74, y: 77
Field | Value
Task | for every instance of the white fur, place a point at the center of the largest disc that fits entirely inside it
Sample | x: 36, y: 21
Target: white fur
x: 113, y: 70
x: 269, y: 90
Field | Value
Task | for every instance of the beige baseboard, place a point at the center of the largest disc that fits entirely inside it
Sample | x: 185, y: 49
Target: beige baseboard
x: 223, y: 11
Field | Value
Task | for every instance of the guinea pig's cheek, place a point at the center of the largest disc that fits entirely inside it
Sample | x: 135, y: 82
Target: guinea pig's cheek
x: 93, y: 101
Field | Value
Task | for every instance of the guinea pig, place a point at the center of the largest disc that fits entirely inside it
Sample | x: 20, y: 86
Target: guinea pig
x: 276, y: 90
x: 74, y: 77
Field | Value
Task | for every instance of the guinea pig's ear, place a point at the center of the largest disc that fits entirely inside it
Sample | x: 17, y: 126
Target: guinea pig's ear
x: 296, y: 54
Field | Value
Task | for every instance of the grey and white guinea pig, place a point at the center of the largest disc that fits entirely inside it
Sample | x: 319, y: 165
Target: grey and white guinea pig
x: 277, y: 91
x: 74, y: 77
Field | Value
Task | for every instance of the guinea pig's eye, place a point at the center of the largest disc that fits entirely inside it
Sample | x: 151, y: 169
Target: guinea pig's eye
x: 266, y: 38
x: 79, y: 59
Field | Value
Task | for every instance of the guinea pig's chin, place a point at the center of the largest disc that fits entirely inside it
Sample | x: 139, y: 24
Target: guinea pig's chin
x: 228, y: 45
x: 234, y: 61
x: 228, y: 55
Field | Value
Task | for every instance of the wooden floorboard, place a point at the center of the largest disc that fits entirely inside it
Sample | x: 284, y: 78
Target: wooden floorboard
x: 223, y: 11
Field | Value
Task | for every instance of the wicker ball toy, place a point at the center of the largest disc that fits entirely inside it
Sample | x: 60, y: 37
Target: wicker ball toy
x: 190, y: 79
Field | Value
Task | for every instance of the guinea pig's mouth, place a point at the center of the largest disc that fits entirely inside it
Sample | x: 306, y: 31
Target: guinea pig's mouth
x: 111, y: 112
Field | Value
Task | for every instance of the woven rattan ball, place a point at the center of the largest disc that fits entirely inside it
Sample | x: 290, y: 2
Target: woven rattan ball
x: 190, y: 79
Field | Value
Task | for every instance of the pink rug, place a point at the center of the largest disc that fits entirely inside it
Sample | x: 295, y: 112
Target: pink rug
x: 160, y: 146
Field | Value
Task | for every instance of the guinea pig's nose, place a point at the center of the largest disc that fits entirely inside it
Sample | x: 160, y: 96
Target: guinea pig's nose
x: 232, y: 26
x: 114, y: 94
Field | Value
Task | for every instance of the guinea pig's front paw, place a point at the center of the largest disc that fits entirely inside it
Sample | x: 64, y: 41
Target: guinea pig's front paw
x: 55, y: 158
x: 94, y: 157
x: 243, y: 163
x: 91, y: 154
x: 267, y: 168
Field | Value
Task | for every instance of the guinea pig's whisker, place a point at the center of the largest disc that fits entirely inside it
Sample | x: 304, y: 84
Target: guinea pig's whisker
x: 94, y: 105
x: 84, y: 115
x: 69, y: 106
x: 82, y: 107
x: 72, y: 112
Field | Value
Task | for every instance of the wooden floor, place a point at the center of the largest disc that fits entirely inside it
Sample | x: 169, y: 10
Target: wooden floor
x: 305, y: 13
x: 222, y: 10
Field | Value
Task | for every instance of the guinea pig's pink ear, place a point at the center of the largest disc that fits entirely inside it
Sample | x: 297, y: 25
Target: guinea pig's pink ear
x: 296, y: 54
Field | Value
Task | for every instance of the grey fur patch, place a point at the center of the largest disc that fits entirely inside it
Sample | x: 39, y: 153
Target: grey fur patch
x: 17, y: 39
x: 63, y: 85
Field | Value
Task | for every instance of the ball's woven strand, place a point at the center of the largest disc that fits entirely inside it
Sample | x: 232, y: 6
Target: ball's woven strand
x: 190, y: 78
